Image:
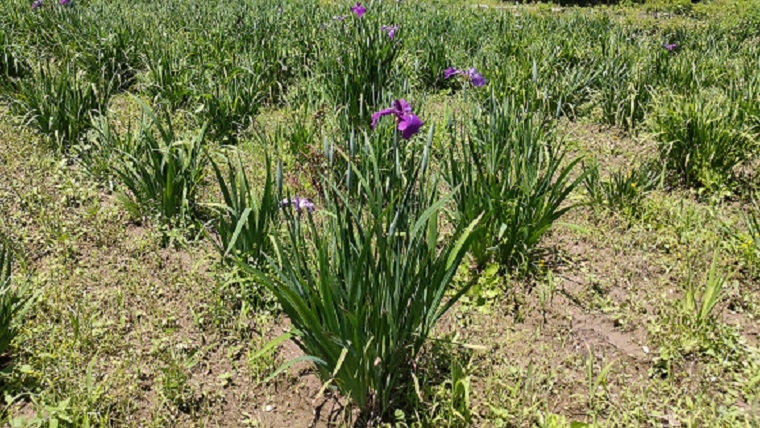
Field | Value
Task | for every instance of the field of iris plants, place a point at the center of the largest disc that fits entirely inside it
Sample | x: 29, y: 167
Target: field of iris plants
x: 432, y: 213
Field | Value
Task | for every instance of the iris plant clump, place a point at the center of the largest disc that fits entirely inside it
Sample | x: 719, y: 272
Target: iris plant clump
x: 511, y: 171
x: 365, y: 289
x: 408, y: 122
x: 247, y: 215
x: 164, y: 171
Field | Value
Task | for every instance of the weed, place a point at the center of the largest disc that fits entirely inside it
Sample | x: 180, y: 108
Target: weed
x: 168, y: 76
x: 700, y: 300
x: 230, y: 102
x: 623, y: 191
x: 11, y: 65
x: 750, y: 241
x: 13, y: 302
x: 103, y: 148
x: 174, y: 385
x: 596, y: 382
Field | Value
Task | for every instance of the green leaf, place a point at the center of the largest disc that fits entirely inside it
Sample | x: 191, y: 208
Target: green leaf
x: 274, y: 342
x: 240, y: 224
x: 461, y: 241
x: 294, y: 361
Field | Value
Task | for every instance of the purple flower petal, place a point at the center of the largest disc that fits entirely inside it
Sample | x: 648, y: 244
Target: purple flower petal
x: 670, y: 46
x: 298, y: 203
x: 402, y: 106
x: 470, y: 74
x: 377, y: 115
x: 390, y: 29
x: 36, y: 4
x: 304, y: 203
x: 408, y: 122
x: 358, y: 9
x: 409, y: 125
x: 477, y: 79
x: 64, y: 2
x: 451, y: 71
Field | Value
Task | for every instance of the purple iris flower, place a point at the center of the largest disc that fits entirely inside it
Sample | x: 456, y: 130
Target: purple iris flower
x: 400, y: 108
x: 407, y: 122
x: 409, y: 125
x: 64, y: 2
x: 391, y: 29
x: 298, y: 203
x: 340, y: 17
x: 358, y: 9
x: 36, y: 4
x: 476, y: 78
x: 670, y: 46
x: 471, y: 74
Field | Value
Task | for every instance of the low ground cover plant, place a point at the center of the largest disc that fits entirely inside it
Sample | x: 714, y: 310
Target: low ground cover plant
x: 14, y: 301
x: 623, y: 190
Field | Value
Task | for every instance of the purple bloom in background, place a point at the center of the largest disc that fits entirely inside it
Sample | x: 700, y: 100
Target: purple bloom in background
x: 340, y: 17
x: 358, y: 9
x: 476, y: 78
x: 299, y: 203
x: 670, y: 46
x: 391, y: 29
x: 451, y: 71
x: 64, y: 2
x: 408, y: 123
x: 471, y: 74
x: 36, y: 4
